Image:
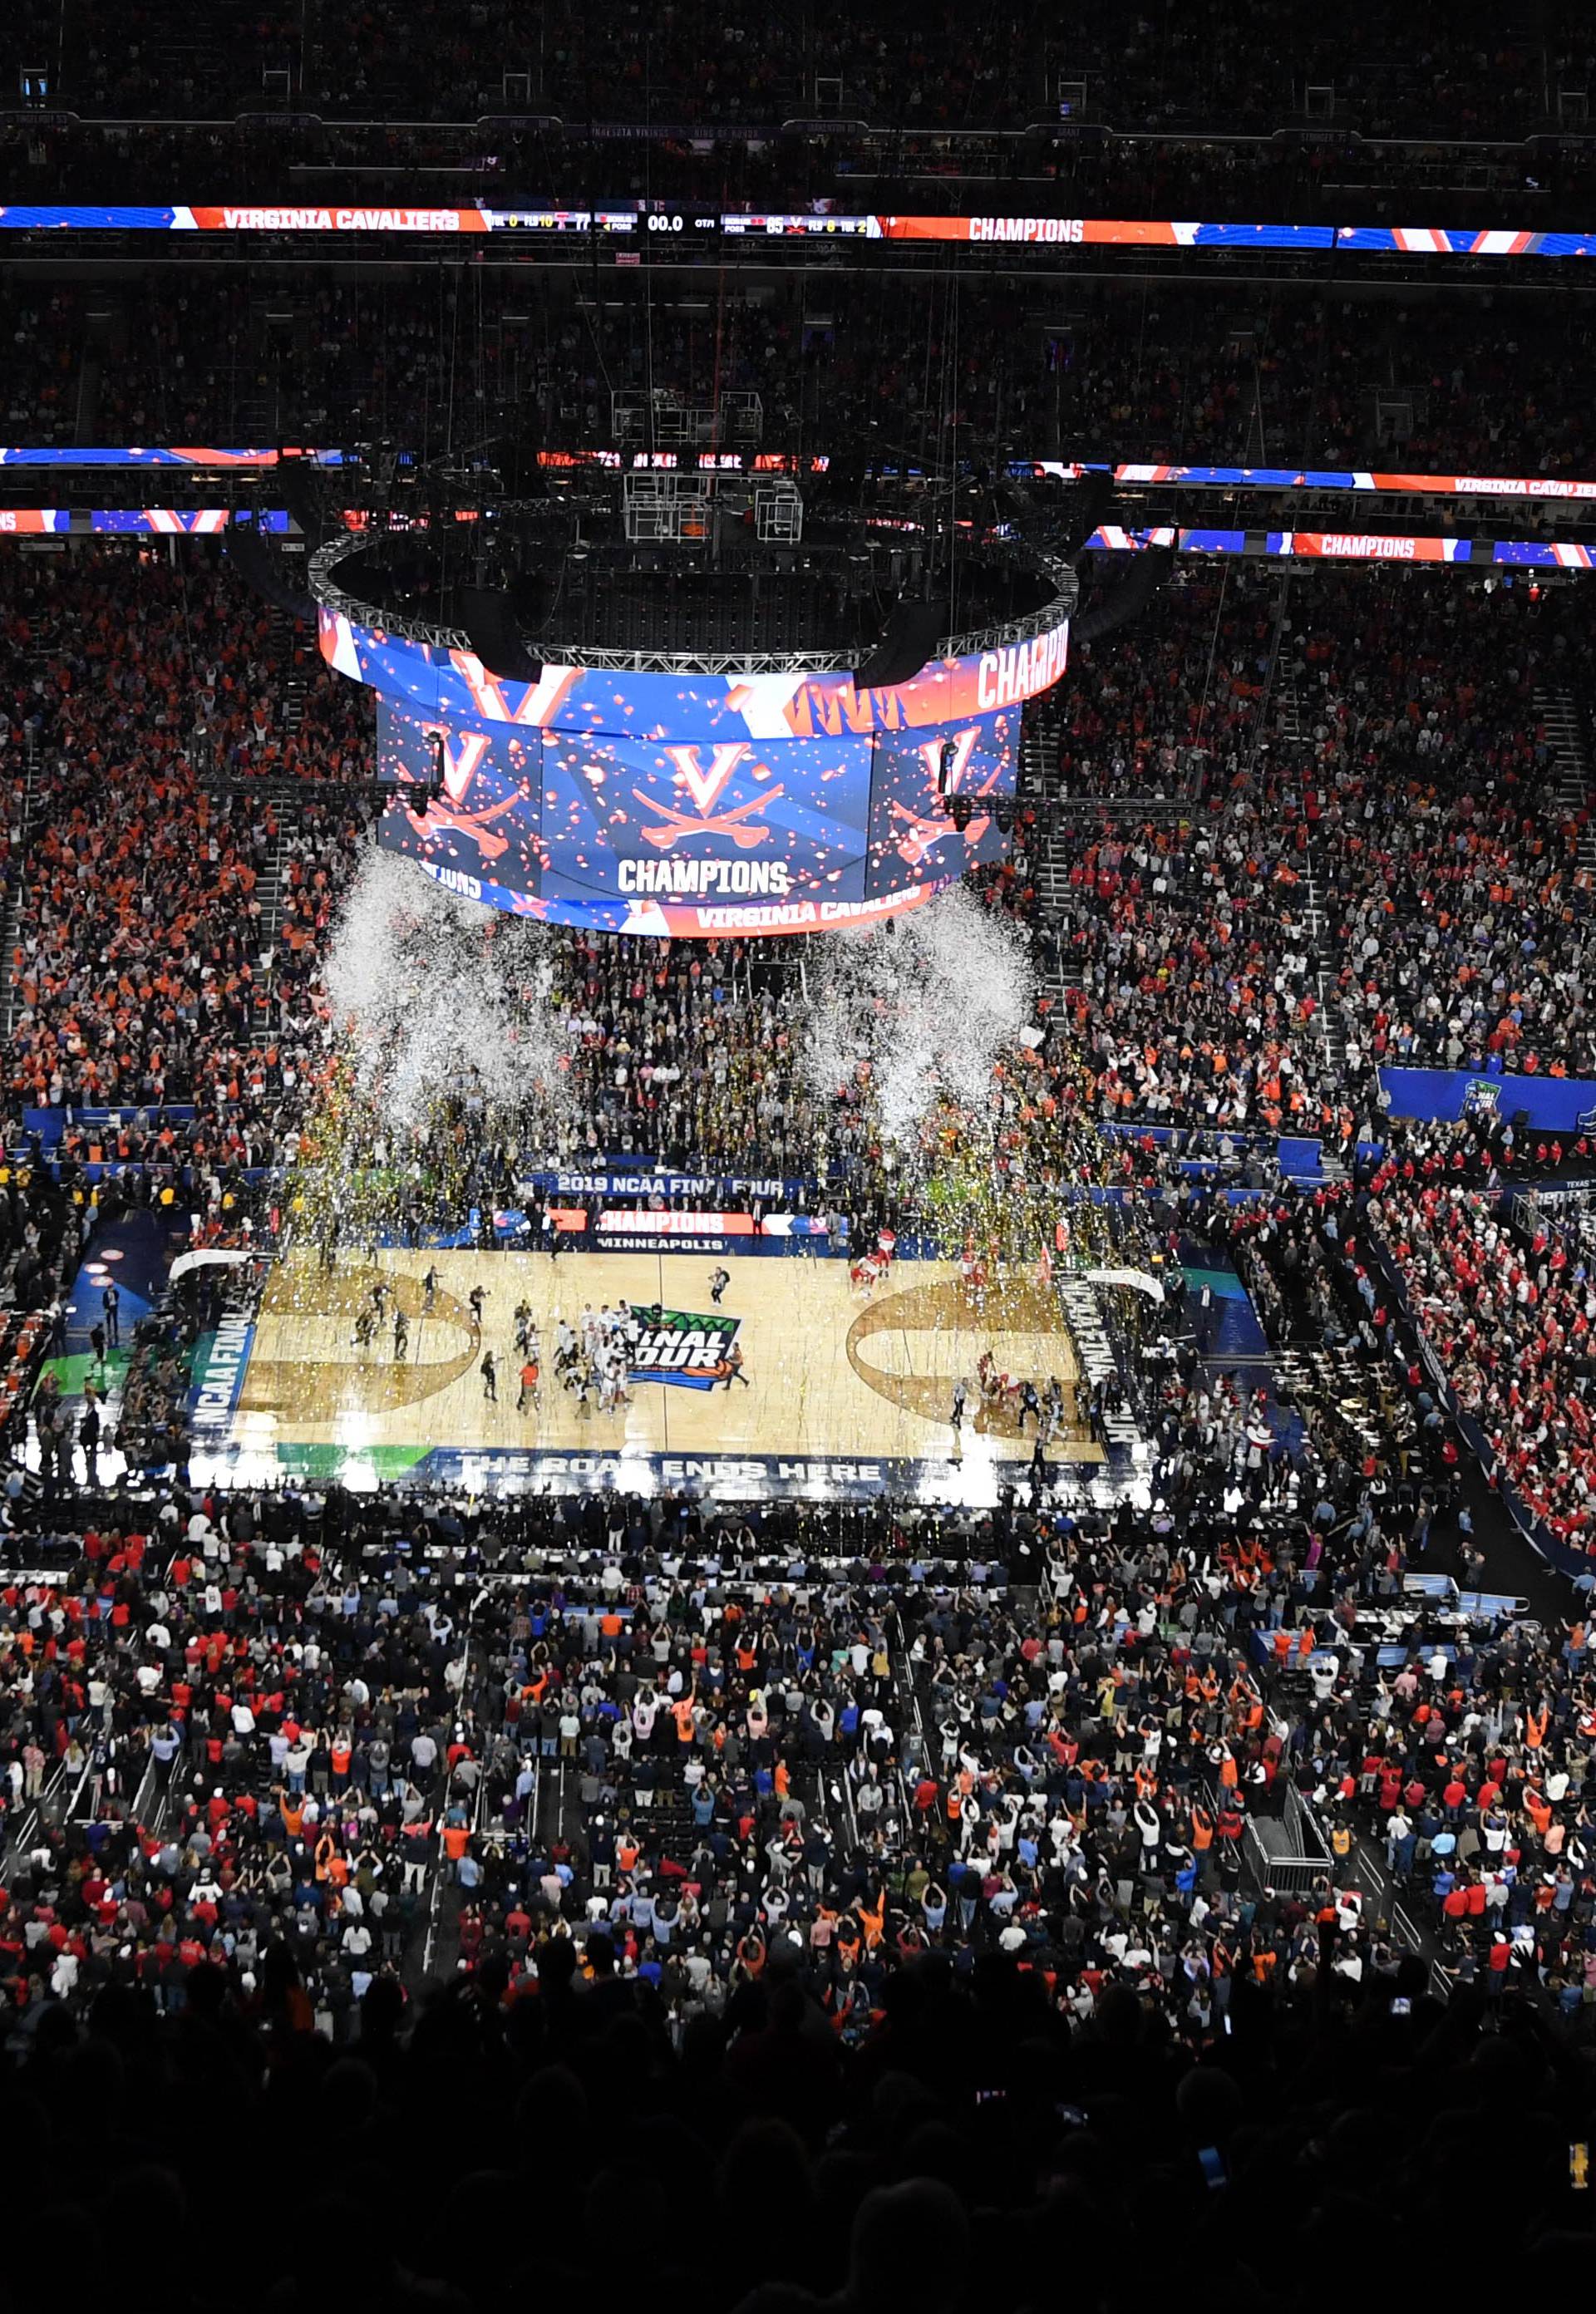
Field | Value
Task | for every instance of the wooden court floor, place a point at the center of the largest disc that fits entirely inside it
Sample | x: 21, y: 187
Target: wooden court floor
x: 829, y: 1373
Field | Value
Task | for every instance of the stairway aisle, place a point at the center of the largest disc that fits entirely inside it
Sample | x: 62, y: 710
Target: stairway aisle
x: 1560, y: 712
x: 11, y: 919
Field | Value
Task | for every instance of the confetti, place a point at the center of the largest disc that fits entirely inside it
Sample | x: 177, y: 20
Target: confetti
x: 438, y: 999
x: 927, y: 1005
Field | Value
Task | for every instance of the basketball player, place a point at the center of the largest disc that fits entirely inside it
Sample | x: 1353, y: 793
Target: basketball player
x: 429, y: 1291
x: 719, y: 1279
x: 529, y: 1380
x: 401, y: 1337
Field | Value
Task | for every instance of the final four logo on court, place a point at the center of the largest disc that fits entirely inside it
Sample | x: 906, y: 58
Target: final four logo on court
x: 688, y: 1348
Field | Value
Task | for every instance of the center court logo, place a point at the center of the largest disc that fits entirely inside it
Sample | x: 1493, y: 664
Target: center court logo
x: 687, y: 1348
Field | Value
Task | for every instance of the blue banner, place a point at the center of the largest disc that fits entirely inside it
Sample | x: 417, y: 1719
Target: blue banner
x: 1550, y: 1104
x: 1297, y: 1157
x: 50, y: 1124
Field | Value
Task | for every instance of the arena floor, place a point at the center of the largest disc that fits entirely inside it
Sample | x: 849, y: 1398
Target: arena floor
x: 843, y: 1393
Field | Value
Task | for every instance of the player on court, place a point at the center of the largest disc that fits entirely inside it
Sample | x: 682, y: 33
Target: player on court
x: 529, y: 1379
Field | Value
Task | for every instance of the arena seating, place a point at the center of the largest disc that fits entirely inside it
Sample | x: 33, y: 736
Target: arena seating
x: 1238, y: 70
x: 1333, y: 854
x: 1213, y: 371
x: 958, y: 1884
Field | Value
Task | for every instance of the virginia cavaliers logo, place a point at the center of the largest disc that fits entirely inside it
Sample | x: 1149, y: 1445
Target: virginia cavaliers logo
x: 706, y: 787
x: 919, y: 833
x: 500, y: 701
x: 961, y: 748
x: 462, y: 755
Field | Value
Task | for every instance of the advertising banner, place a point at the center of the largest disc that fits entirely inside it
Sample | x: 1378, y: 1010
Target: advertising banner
x: 630, y: 1223
x: 1079, y: 233
x: 812, y: 225
x: 613, y: 1182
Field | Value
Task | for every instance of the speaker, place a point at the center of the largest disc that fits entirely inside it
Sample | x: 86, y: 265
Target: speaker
x: 257, y: 566
x: 489, y: 619
x: 1148, y: 570
x: 1093, y: 497
x: 298, y: 487
x: 913, y: 634
x: 1520, y: 1120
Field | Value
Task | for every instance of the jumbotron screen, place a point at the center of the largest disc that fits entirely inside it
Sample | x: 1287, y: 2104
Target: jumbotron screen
x: 698, y: 805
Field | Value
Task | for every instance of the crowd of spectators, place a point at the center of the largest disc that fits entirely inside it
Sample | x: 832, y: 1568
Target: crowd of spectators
x: 786, y: 1799
x: 769, y: 1805
x: 1439, y: 380
x: 1505, y: 1304
x: 1458, y: 917
x: 146, y: 972
x: 1330, y: 833
x: 226, y: 1751
x: 1238, y: 68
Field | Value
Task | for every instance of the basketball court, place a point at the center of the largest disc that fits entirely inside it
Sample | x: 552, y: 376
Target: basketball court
x: 838, y: 1392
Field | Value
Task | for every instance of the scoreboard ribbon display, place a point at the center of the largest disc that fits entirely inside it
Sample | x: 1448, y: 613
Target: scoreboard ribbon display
x: 655, y: 222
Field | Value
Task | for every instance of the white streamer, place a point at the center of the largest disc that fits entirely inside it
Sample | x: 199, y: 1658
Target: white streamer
x: 928, y: 1006
x: 440, y: 997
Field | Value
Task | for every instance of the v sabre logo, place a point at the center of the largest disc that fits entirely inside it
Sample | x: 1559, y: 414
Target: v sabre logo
x: 462, y: 756
x: 706, y: 788
x: 740, y: 823
x: 948, y: 759
x: 463, y: 753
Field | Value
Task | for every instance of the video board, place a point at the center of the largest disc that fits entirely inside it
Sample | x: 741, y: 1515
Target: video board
x: 696, y: 806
